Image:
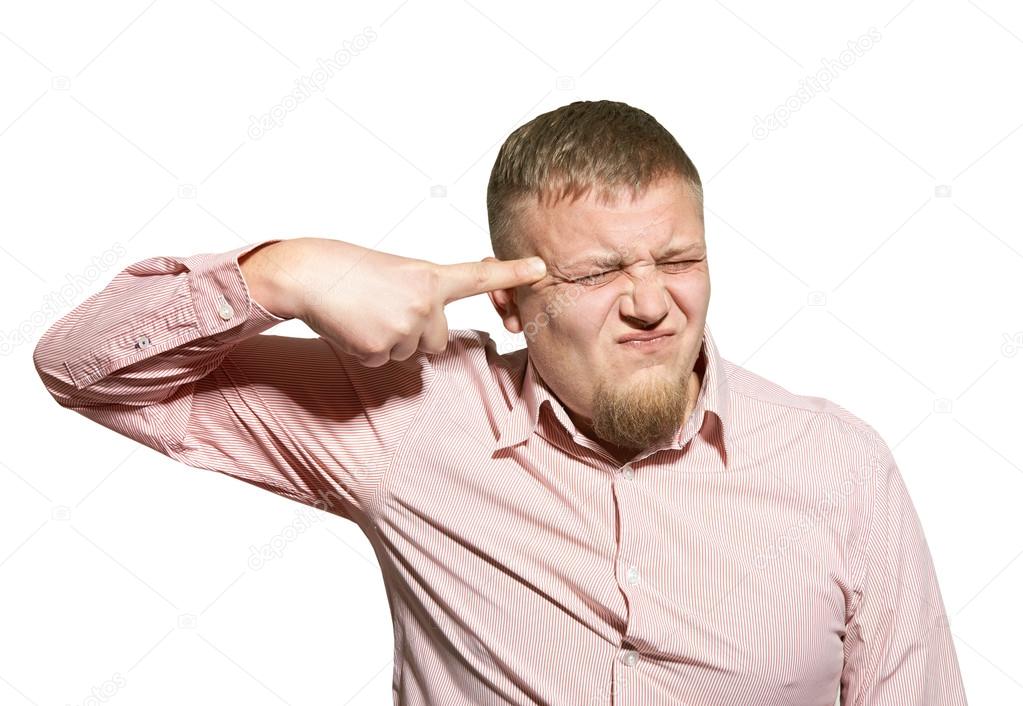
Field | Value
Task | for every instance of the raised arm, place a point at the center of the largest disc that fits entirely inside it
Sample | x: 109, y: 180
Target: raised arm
x: 169, y: 354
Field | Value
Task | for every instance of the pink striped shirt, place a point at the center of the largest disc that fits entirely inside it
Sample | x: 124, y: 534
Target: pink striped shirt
x: 769, y: 554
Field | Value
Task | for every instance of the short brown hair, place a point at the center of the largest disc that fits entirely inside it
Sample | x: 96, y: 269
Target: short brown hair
x: 564, y: 153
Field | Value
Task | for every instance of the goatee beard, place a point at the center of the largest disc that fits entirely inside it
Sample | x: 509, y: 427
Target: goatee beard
x: 641, y: 415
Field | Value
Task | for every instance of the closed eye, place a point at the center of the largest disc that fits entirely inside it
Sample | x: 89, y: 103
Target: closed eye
x: 678, y: 265
x: 600, y: 277
x: 592, y: 279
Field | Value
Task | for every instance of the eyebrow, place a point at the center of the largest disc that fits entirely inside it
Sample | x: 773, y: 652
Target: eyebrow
x: 613, y: 259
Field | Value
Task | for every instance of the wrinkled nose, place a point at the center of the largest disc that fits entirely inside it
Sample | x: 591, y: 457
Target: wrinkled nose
x: 647, y: 302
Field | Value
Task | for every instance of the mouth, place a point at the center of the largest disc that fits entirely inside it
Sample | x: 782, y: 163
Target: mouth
x: 646, y: 342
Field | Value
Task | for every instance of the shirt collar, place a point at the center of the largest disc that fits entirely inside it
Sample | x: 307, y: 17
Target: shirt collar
x: 522, y: 419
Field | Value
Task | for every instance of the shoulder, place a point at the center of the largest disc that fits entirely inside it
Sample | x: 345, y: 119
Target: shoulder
x: 850, y: 462
x: 472, y: 358
x: 474, y: 348
x: 754, y: 398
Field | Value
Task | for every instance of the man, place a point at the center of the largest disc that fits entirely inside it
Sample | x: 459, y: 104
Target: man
x: 613, y: 514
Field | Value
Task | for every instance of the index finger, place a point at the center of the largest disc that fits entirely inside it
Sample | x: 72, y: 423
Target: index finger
x: 466, y: 279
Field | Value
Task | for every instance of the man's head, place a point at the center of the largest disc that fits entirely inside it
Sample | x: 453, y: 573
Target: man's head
x: 610, y: 201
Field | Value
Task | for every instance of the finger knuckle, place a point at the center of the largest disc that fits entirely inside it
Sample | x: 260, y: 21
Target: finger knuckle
x: 421, y: 306
x: 422, y: 277
x: 375, y: 346
x: 374, y: 361
x: 430, y: 278
x: 403, y: 328
x: 436, y: 349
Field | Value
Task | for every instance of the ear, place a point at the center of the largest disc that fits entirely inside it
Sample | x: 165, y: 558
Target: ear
x: 506, y: 306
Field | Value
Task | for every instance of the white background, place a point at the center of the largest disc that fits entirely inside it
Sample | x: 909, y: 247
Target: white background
x: 869, y: 251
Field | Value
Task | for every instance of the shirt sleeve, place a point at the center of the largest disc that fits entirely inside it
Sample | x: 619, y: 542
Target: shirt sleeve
x: 170, y: 354
x: 898, y: 647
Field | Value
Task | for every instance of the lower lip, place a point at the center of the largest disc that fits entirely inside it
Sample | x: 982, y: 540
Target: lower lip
x: 650, y: 345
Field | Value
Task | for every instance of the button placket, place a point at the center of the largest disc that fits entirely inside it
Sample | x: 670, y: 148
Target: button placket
x: 630, y: 576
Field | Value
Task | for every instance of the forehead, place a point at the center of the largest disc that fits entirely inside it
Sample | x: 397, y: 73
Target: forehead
x: 662, y: 221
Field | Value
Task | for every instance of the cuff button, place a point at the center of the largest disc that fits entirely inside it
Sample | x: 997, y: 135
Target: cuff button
x: 225, y: 310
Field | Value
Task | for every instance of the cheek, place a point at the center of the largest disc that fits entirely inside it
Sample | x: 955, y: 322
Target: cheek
x: 567, y: 314
x: 690, y: 295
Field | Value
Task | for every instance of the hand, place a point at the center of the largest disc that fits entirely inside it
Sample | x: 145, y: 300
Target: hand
x: 370, y: 304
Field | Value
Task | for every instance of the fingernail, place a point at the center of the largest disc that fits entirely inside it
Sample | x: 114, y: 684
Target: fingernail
x: 537, y: 265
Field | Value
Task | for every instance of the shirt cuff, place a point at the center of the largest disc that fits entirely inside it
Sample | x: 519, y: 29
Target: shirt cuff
x: 162, y: 307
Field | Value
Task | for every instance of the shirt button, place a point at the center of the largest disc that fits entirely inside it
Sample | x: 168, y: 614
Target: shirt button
x: 630, y: 658
x: 627, y: 472
x: 632, y: 575
x: 226, y: 312
x: 142, y: 341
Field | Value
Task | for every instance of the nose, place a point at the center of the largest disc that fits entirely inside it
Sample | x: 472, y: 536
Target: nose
x: 647, y: 302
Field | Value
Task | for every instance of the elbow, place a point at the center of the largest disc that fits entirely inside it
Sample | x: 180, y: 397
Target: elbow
x: 51, y: 371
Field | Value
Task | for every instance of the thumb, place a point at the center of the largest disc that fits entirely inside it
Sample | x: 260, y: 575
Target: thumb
x: 466, y: 279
